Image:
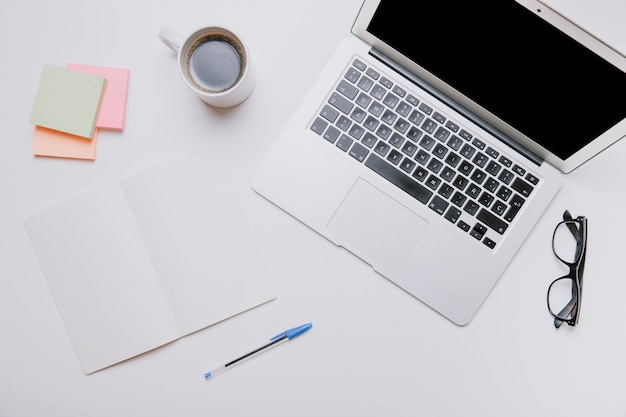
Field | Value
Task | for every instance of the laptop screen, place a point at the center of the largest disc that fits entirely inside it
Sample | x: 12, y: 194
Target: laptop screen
x: 512, y: 63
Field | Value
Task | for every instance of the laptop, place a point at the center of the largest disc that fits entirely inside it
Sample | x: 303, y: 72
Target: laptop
x: 434, y: 140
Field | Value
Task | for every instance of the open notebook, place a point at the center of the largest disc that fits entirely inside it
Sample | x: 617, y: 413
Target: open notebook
x: 137, y: 264
x: 434, y: 140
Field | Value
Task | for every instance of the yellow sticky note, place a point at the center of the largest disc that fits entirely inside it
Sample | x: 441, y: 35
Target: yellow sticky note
x: 68, y: 101
x: 49, y: 142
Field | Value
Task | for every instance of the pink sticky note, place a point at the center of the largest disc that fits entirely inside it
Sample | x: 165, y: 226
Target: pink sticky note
x: 49, y: 142
x: 113, y: 108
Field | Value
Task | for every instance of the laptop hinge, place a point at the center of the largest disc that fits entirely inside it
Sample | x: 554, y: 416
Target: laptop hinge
x: 456, y: 106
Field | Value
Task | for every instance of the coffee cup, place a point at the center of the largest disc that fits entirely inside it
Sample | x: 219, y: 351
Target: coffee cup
x: 214, y: 63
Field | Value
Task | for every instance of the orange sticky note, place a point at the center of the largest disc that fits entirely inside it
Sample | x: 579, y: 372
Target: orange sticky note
x: 49, y: 142
x: 113, y: 108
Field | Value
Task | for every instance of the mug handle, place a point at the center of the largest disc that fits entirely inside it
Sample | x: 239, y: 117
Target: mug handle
x: 171, y: 38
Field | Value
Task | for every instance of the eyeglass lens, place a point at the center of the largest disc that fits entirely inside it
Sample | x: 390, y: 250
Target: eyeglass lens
x: 562, y: 297
x: 566, y: 241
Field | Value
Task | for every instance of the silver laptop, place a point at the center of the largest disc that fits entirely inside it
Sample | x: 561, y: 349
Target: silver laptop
x: 435, y: 138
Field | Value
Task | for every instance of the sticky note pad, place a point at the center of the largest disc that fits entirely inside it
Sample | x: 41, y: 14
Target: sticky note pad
x: 113, y: 108
x: 68, y: 101
x: 49, y: 142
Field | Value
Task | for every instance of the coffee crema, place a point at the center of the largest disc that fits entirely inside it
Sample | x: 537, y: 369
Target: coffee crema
x: 214, y: 63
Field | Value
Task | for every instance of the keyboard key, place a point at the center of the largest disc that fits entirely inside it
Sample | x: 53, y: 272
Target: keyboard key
x: 506, y: 176
x: 522, y: 187
x: 382, y: 148
x: 396, y: 140
x: 399, y: 91
x: 445, y: 190
x: 453, y: 214
x: 453, y: 159
x: 400, y: 180
x: 358, y: 152
x: 356, y: 131
x: 378, y: 92
x: 407, y: 165
x: 420, y: 174
x: 465, y: 134
x: 363, y: 100
x: 422, y: 156
x: 414, y: 134
x: 386, y: 83
x: 365, y: 83
x: 329, y: 113
x: 391, y: 100
x: 413, y: 100
x: 429, y: 126
x: 341, y: 103
x: 416, y: 117
x: 404, y: 109
x: 471, y: 207
x: 372, y: 73
x: 504, y: 193
x: 439, y: 117
x: 514, y: 207
x: 433, y: 182
x: 478, y: 231
x: 343, y: 123
x: 455, y: 142
x: 319, y: 125
x: 359, y: 65
x: 467, y: 150
x: 438, y: 204
x: 452, y: 126
x: 369, y: 140
x: 425, y: 108
x: 493, y: 168
x: 532, y: 179
x: 389, y: 117
x: 460, y: 182
x: 394, y: 157
x: 519, y: 170
x: 347, y: 89
x: 442, y: 134
x: 331, y: 134
x: 427, y: 142
x: 344, y: 143
x: 486, y: 199
x: 376, y: 108
x: 371, y: 123
x: 409, y: 148
x: 458, y: 199
x: 489, y: 243
x: 492, y: 221
x: 352, y: 75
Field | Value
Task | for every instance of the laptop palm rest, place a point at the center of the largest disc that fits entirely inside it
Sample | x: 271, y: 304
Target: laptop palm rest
x: 367, y: 212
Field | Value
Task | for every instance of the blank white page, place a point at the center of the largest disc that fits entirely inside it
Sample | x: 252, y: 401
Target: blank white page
x: 102, y: 278
x: 196, y: 229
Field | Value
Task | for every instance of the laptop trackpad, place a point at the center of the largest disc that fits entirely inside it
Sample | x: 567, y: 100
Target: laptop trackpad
x: 375, y: 226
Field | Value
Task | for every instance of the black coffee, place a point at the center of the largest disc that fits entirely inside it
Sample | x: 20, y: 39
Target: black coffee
x: 214, y: 65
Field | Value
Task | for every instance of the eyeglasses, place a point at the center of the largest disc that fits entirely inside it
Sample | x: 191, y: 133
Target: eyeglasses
x: 569, y: 244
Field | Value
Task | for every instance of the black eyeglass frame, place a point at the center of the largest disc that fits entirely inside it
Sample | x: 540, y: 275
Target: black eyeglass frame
x: 570, y: 313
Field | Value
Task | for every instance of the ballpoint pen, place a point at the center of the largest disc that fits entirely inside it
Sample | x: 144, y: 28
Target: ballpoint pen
x: 274, y: 341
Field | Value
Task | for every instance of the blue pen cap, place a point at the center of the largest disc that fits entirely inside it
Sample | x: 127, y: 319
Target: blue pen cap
x: 296, y: 331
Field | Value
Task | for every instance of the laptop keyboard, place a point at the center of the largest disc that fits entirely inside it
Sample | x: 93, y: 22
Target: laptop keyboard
x: 415, y: 146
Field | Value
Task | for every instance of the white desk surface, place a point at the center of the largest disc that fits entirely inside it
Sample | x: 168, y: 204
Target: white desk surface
x: 373, y: 349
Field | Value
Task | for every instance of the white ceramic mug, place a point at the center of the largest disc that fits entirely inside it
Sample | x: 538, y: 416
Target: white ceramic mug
x: 214, y: 63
